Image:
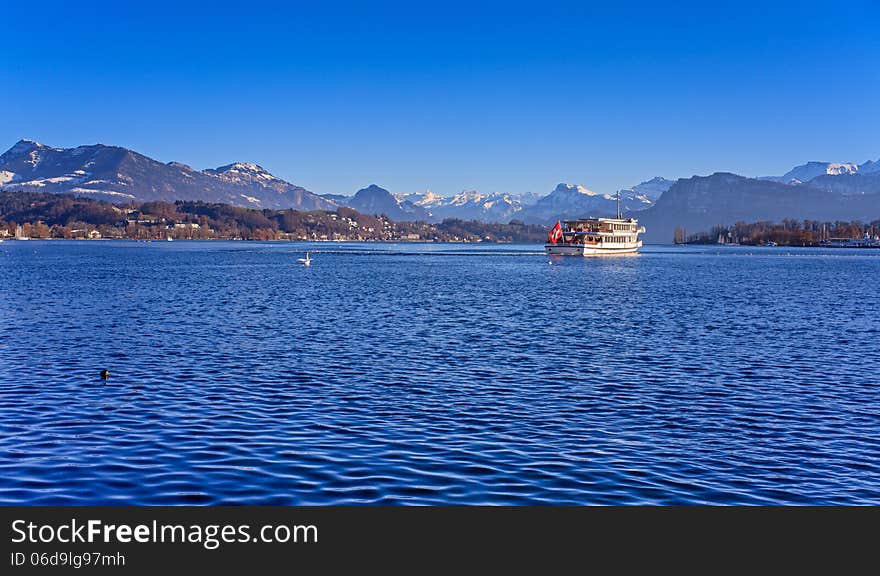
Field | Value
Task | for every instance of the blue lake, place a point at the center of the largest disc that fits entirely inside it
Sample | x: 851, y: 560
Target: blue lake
x: 436, y: 374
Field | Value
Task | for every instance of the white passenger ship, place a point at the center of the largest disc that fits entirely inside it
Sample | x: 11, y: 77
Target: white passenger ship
x: 595, y: 236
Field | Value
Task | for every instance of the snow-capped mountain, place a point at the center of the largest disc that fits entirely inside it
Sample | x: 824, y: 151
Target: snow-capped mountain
x: 810, y: 170
x: 473, y: 205
x: 528, y: 198
x: 427, y: 200
x: 432, y: 207
x: 244, y: 172
x: 648, y: 191
x: 839, y: 177
x: 565, y: 201
x: 568, y: 201
x: 120, y: 175
x: 260, y: 181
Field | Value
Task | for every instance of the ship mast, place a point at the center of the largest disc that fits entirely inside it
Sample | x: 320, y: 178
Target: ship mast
x: 618, y: 204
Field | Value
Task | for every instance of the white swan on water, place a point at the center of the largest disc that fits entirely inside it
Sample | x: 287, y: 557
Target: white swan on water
x: 306, y: 261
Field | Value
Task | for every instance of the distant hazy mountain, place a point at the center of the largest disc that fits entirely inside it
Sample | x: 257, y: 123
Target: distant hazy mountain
x: 842, y: 177
x: 376, y: 200
x: 469, y: 205
x: 339, y: 199
x: 648, y: 191
x: 568, y: 201
x: 431, y: 207
x: 859, y: 183
x: 427, y: 200
x: 528, y: 198
x: 701, y: 202
x: 120, y: 175
x: 473, y: 205
x: 869, y: 167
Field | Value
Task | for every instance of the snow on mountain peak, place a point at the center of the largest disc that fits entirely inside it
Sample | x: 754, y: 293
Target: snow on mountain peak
x: 810, y: 170
x: 648, y: 191
x: 241, y: 171
x: 429, y: 199
x: 243, y: 167
x: 247, y: 167
x: 569, y: 188
x: 465, y: 197
x: 837, y: 168
x: 23, y: 147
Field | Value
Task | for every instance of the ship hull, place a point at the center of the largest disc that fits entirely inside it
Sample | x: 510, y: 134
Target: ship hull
x: 588, y: 250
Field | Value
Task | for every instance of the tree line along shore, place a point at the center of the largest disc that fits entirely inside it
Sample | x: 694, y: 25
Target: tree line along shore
x: 42, y: 215
x: 789, y: 232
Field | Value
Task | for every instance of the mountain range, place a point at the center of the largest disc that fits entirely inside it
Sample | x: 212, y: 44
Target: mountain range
x: 815, y: 190
x: 700, y: 202
x: 120, y: 175
x: 565, y: 201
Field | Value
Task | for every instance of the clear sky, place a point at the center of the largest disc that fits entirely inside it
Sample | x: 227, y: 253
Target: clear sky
x: 505, y: 96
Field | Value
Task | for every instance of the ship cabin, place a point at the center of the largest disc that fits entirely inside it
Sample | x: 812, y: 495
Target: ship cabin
x: 600, y: 230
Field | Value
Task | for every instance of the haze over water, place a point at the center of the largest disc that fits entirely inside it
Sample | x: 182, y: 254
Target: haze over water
x: 436, y: 374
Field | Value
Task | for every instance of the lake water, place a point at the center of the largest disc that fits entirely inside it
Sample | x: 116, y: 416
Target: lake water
x: 436, y: 374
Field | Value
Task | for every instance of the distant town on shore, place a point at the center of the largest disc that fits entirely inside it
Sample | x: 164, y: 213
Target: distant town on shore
x: 61, y: 216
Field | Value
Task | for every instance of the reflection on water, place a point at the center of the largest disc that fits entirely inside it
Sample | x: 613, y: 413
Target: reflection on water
x: 426, y: 373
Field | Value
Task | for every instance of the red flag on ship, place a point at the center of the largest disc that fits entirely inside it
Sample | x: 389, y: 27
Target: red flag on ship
x: 555, y: 233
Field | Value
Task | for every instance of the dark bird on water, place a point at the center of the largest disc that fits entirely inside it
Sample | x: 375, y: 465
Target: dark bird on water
x: 105, y: 374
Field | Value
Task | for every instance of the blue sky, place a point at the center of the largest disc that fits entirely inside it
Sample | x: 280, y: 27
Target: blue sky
x: 494, y: 96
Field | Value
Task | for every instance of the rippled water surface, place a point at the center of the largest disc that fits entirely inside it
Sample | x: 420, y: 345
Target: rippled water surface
x: 436, y: 374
